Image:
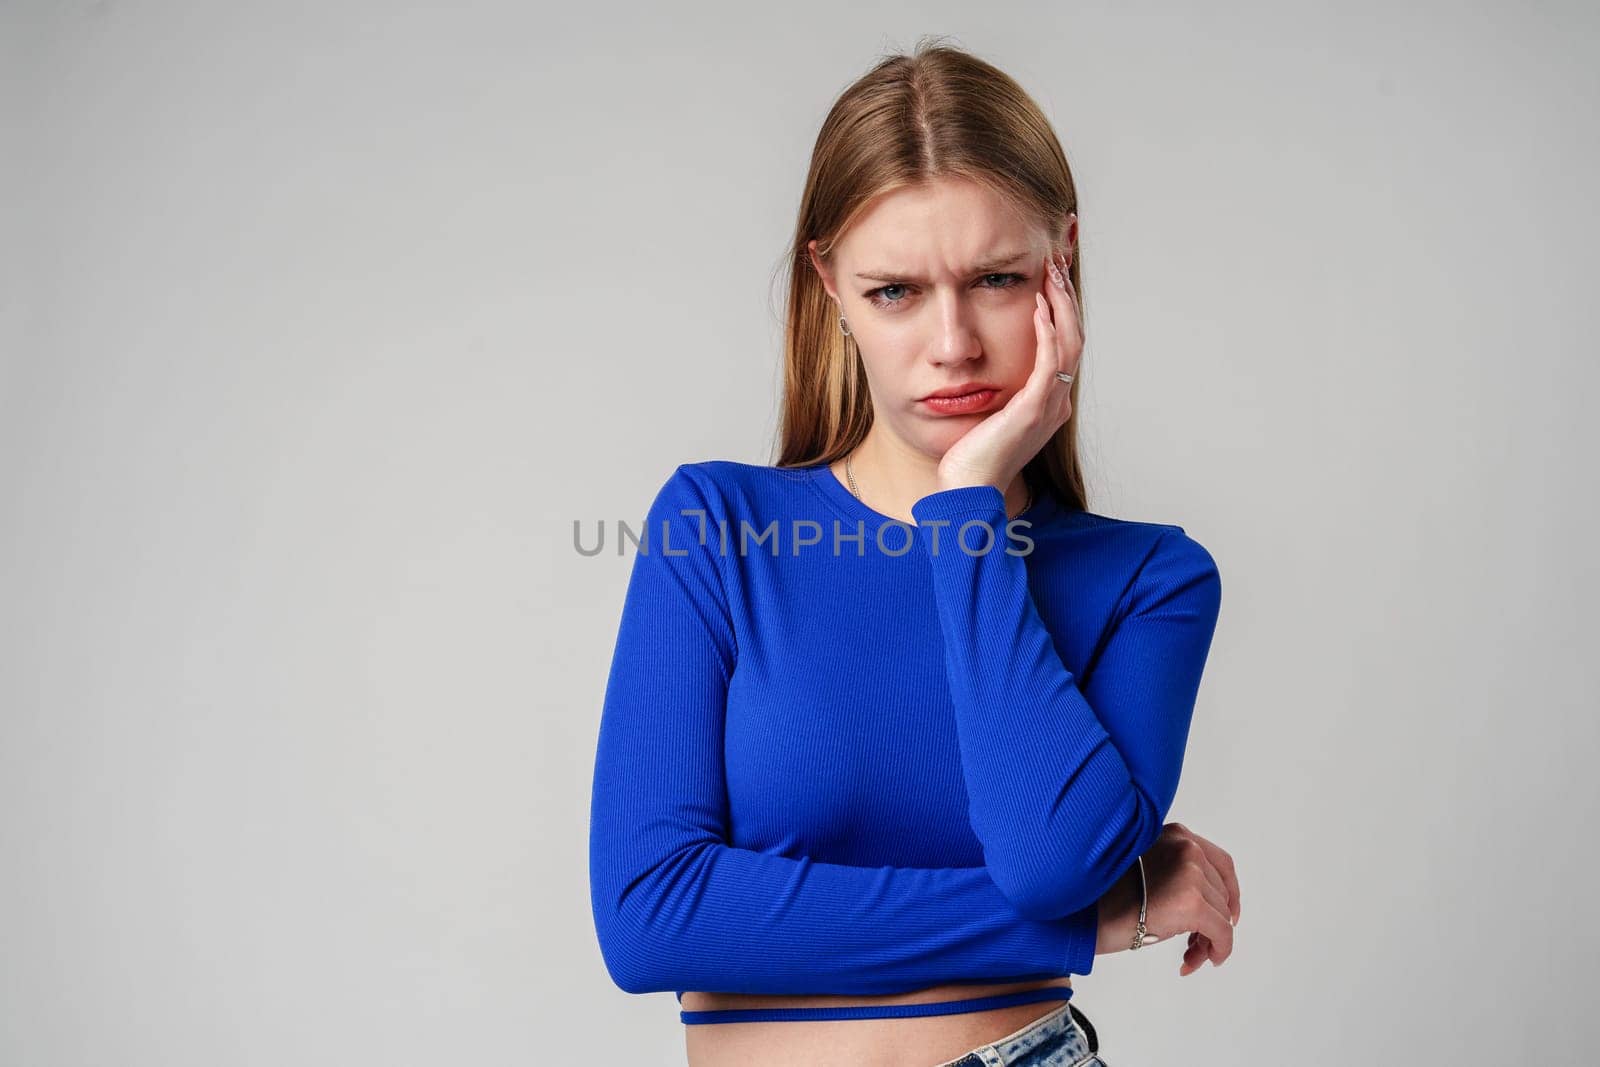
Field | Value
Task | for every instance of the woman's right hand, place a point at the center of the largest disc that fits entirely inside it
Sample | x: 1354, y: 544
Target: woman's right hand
x: 1192, y: 887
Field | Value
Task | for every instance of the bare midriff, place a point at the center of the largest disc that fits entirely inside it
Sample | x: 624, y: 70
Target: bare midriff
x: 915, y: 1041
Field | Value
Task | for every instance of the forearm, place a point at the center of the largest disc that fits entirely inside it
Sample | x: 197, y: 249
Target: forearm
x: 724, y: 919
x: 1066, y: 785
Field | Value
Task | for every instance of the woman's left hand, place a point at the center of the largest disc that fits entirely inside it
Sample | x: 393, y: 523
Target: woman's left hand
x: 995, y: 450
x: 1192, y: 886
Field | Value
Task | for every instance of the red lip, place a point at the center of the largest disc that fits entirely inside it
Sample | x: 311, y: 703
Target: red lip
x: 962, y: 390
x: 964, y: 404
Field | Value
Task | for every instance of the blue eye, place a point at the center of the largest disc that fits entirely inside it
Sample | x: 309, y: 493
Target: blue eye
x: 877, y: 298
x: 1009, y: 279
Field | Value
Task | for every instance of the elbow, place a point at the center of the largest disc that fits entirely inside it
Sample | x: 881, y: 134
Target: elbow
x: 628, y: 978
x: 1042, y: 884
x: 643, y: 951
x: 1044, y: 887
x: 627, y: 943
x: 628, y: 958
x: 1043, y: 896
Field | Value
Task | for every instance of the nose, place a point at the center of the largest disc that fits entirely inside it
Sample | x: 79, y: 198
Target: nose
x: 958, y: 340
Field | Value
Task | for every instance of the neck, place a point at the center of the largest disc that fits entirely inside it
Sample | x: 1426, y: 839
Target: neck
x: 890, y: 477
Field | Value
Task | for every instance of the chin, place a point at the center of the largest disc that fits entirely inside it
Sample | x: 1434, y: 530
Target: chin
x: 936, y: 441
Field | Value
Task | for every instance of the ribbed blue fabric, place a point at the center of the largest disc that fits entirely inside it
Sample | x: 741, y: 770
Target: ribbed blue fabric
x: 840, y: 754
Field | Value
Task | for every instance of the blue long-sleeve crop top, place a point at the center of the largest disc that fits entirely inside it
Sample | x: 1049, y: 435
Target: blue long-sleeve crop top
x: 844, y: 754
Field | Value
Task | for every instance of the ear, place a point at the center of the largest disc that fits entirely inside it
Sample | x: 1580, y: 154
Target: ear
x: 1067, y: 238
x: 822, y: 269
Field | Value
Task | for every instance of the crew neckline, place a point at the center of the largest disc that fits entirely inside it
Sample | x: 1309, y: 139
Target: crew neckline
x: 854, y: 507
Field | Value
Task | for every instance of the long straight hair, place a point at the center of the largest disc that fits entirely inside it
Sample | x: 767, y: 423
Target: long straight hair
x: 938, y: 112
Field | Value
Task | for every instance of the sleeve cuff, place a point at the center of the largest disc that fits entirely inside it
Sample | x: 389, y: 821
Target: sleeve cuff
x: 1085, y: 938
x: 964, y: 500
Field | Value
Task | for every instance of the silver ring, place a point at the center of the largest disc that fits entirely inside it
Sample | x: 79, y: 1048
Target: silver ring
x: 1063, y: 376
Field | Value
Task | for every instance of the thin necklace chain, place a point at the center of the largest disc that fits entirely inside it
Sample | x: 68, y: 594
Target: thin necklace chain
x: 1028, y: 503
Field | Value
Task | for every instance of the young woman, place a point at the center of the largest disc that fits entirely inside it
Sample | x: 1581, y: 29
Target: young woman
x: 893, y: 725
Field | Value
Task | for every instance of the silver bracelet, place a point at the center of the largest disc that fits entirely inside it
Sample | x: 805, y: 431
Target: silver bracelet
x: 1144, y: 901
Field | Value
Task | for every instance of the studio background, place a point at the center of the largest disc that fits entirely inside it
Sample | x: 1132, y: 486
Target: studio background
x: 321, y: 324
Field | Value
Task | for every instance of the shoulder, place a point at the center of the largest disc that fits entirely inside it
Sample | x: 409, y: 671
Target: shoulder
x: 1178, y: 570
x: 1159, y: 559
x: 728, y: 488
x: 700, y: 482
x: 710, y: 496
x: 726, y: 474
x: 1176, y: 552
x: 1161, y: 544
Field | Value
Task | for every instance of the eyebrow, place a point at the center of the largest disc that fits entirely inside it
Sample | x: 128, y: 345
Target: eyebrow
x: 1004, y: 259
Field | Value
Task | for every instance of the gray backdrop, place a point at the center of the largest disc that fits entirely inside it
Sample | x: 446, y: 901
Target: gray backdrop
x: 322, y: 323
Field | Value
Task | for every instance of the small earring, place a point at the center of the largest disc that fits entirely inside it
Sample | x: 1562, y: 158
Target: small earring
x: 844, y: 329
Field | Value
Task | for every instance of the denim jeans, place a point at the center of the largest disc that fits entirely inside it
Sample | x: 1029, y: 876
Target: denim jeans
x: 1064, y: 1038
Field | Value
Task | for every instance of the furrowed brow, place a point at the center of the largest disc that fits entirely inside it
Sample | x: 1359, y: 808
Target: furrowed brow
x: 1000, y: 262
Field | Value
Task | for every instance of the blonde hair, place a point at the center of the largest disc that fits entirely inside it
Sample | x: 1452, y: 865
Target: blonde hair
x: 938, y: 112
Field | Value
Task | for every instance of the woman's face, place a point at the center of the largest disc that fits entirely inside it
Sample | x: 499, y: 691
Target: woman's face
x: 937, y: 286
